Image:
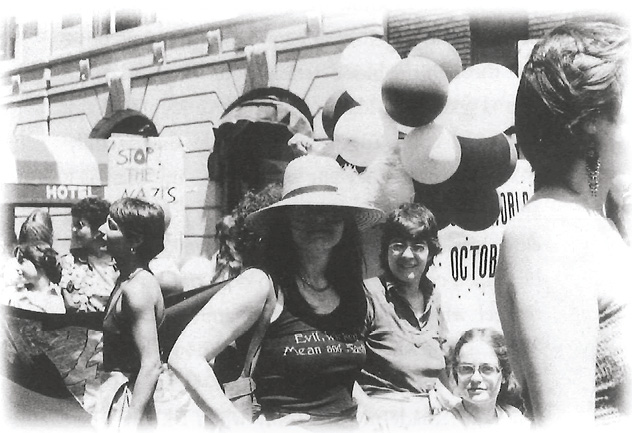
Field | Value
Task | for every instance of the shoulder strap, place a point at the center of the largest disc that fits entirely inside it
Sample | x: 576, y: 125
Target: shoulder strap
x: 261, y: 327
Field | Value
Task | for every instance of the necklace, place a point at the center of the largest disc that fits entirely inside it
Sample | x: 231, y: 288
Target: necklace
x: 313, y: 286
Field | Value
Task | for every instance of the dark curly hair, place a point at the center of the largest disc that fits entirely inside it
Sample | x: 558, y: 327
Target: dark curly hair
x: 92, y: 209
x: 239, y: 246
x: 510, y: 391
x: 137, y: 217
x: 43, y: 256
x: 574, y: 75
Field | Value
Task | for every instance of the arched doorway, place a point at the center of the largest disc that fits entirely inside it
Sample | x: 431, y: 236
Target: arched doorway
x: 126, y: 121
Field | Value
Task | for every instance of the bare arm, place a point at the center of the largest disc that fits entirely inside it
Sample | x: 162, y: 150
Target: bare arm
x: 229, y: 314
x: 548, y: 310
x: 138, y: 304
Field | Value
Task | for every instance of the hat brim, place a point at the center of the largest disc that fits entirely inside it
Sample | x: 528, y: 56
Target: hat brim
x: 365, y: 216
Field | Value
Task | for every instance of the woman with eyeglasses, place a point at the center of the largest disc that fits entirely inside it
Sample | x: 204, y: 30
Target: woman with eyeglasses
x: 485, y: 382
x: 400, y: 384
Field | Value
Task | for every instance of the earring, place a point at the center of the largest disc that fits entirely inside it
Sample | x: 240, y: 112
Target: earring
x: 592, y: 169
x: 133, y: 250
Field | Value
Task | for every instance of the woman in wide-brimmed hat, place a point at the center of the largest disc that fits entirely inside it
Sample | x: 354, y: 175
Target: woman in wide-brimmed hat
x: 313, y: 348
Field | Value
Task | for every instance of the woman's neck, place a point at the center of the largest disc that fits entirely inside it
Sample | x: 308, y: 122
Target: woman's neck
x: 127, y: 267
x: 579, y: 190
x: 484, y: 413
x: 313, y: 267
x: 411, y: 291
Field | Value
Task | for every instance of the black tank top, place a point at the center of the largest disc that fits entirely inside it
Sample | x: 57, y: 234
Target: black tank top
x: 302, y: 368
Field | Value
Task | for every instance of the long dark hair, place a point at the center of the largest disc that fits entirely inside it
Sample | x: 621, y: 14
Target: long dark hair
x: 344, y: 269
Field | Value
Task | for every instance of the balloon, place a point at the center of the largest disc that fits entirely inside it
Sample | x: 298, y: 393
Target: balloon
x: 488, y: 162
x: 363, y: 66
x: 337, y: 104
x: 481, y: 101
x: 437, y: 199
x: 415, y: 91
x: 442, y: 53
x: 430, y: 154
x: 363, y: 134
x: 475, y: 209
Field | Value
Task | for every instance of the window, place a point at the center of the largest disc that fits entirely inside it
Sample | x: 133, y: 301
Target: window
x: 29, y: 29
x: 7, y: 38
x: 70, y: 21
x: 109, y: 22
x: 495, y: 38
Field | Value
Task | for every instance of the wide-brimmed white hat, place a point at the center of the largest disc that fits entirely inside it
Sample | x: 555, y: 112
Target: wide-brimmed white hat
x: 313, y: 180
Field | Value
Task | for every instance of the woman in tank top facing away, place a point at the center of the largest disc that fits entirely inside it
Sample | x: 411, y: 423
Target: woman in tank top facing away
x: 562, y: 283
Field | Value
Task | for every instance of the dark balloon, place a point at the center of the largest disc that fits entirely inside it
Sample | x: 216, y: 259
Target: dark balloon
x: 486, y: 162
x: 415, y: 91
x: 337, y: 105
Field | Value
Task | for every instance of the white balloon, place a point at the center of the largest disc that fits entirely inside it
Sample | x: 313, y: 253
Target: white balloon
x: 363, y: 66
x: 481, y: 101
x: 363, y: 133
x: 430, y: 154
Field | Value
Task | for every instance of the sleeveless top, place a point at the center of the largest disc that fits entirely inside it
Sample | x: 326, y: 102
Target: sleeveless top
x: 119, y: 350
x: 611, y: 366
x: 302, y: 368
x: 403, y: 353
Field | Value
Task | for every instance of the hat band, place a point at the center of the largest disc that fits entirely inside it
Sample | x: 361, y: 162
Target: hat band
x: 311, y: 188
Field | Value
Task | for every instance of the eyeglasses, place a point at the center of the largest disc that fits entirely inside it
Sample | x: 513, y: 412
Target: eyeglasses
x: 468, y: 370
x: 400, y: 247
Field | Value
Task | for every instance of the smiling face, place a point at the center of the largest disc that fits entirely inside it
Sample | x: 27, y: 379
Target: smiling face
x: 407, y: 259
x: 478, y: 373
x: 85, y: 237
x: 316, y: 228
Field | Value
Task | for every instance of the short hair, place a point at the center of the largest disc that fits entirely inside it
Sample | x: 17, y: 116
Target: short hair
x: 92, y: 209
x: 137, y: 217
x: 43, y: 256
x: 573, y: 75
x: 510, y: 392
x: 411, y: 221
x: 37, y: 227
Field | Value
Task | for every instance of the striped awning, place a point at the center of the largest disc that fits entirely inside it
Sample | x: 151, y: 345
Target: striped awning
x: 52, y: 170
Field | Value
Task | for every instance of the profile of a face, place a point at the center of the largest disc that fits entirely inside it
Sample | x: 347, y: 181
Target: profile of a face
x: 479, y: 376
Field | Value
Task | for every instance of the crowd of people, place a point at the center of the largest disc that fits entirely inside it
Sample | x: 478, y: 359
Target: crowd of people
x: 331, y: 349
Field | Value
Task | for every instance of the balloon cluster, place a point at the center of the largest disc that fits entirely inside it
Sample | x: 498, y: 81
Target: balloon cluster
x: 454, y: 148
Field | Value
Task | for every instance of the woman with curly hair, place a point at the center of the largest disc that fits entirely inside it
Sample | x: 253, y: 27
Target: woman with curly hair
x: 88, y: 272
x: 485, y: 382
